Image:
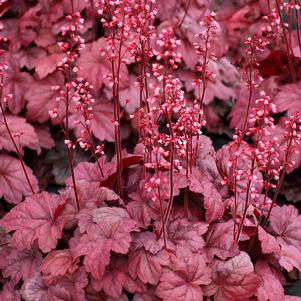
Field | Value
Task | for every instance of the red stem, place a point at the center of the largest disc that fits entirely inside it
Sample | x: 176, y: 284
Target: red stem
x: 69, y: 155
x: 170, y: 202
x: 116, y: 78
x: 163, y: 227
x: 298, y: 25
x: 288, y: 48
x: 12, y: 138
x: 185, y: 13
x: 244, y: 129
x: 246, y: 201
x: 289, y: 144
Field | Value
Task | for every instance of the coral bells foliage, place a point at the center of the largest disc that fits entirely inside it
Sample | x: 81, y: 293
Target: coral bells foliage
x: 149, y: 150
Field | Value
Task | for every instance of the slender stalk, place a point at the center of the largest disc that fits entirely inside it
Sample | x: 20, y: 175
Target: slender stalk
x: 235, y: 202
x: 185, y: 12
x: 279, y: 184
x: 258, y: 222
x: 298, y: 25
x: 269, y: 6
x: 69, y: 154
x: 11, y: 136
x: 204, y: 82
x: 246, y: 202
x: 244, y: 129
x: 93, y: 149
x: 172, y: 153
x: 287, y: 44
x: 117, y: 128
x: 163, y: 224
x: 186, y: 191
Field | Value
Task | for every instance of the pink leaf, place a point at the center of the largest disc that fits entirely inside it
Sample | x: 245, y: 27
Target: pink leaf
x: 9, y: 293
x: 68, y: 288
x: 130, y: 96
x: 102, y: 124
x: 90, y: 172
x: 207, y: 163
x: 74, y: 284
x: 30, y: 57
x: 45, y: 38
x: 147, y: 266
x: 241, y: 159
x: 109, y: 229
x: 269, y: 243
x: 116, y: 278
x: 182, y: 279
x: 142, y: 211
x: 167, y: 9
x: 270, y: 288
x: 20, y: 264
x: 42, y: 99
x: 57, y: 293
x: 292, y: 298
x: 57, y: 263
x: 290, y: 258
x: 213, y: 202
x: 94, y: 67
x: 90, y: 195
x: 190, y: 57
x: 219, y: 241
x: 33, y: 220
x: 147, y: 296
x: 149, y: 241
x: 13, y: 184
x: 48, y: 64
x: 233, y: 280
x: 286, y: 222
x: 278, y: 131
x: 15, y: 83
x: 44, y: 136
x: 288, y: 98
x: 239, y: 110
x: 187, y: 234
x: 109, y: 215
x: 96, y: 254
x: 33, y: 289
x: 23, y: 133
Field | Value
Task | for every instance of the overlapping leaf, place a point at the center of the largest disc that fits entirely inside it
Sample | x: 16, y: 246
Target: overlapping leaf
x: 36, y: 219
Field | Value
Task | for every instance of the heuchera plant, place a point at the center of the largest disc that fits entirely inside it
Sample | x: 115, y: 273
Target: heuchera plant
x: 150, y: 150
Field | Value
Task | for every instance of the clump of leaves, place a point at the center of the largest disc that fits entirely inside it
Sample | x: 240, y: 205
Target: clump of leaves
x: 168, y: 217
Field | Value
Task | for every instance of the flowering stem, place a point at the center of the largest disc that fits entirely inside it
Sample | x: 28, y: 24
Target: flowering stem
x: 185, y: 13
x: 246, y: 201
x: 171, y: 171
x: 186, y: 191
x: 279, y: 184
x: 235, y: 201
x: 116, y: 79
x: 69, y: 155
x: 163, y: 226
x: 93, y: 149
x: 244, y: 129
x: 269, y: 6
x: 259, y: 221
x: 298, y: 24
x: 286, y: 40
x: 12, y: 138
x: 204, y: 82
